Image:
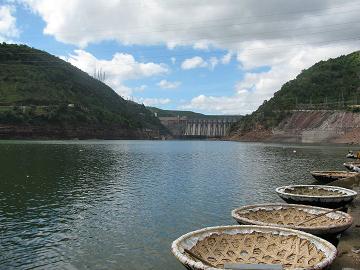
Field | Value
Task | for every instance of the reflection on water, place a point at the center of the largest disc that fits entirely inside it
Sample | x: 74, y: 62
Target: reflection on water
x: 120, y: 204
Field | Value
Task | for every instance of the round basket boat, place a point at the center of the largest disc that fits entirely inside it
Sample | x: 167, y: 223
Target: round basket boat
x: 250, y: 244
x: 329, y: 176
x: 293, y: 216
x: 350, y: 165
x: 329, y: 196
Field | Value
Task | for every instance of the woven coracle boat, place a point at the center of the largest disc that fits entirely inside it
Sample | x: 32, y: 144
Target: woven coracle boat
x: 250, y: 244
x: 293, y: 216
x: 329, y: 176
x: 328, y: 196
x: 350, y: 165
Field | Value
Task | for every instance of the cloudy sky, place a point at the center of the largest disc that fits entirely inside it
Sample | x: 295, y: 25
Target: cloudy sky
x: 210, y: 56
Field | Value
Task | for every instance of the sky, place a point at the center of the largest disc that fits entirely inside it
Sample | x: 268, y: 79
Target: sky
x: 208, y: 56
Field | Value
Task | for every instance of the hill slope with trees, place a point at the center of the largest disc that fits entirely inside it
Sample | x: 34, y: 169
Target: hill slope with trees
x: 44, y: 96
x: 332, y: 85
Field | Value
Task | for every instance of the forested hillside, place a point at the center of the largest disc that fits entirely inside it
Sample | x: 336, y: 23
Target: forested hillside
x: 37, y: 88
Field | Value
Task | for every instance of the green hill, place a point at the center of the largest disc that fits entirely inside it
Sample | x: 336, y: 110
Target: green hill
x: 37, y: 88
x: 174, y: 113
x: 329, y: 85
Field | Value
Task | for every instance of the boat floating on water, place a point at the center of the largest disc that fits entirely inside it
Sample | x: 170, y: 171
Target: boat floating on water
x: 250, y: 244
x: 329, y: 176
x: 352, y: 166
x: 320, y: 195
x: 306, y: 218
x: 351, y: 154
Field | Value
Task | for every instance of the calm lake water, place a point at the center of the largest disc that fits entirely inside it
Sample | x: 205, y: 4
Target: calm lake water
x: 120, y: 204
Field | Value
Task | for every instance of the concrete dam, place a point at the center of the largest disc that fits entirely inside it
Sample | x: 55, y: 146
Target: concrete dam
x: 210, y: 127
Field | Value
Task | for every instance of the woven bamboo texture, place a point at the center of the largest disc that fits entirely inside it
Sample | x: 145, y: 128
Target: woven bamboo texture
x: 258, y: 248
x: 291, y: 216
x: 313, y: 191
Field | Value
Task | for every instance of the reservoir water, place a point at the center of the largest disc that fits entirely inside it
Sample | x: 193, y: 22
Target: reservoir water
x: 120, y: 204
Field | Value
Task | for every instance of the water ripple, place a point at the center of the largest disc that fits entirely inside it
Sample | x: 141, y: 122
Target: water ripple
x: 119, y: 204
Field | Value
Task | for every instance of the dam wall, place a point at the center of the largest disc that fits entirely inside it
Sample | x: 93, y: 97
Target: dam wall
x: 215, y: 127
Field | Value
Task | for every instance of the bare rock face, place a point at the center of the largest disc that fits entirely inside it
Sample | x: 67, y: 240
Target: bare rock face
x: 310, y: 127
x: 259, y: 133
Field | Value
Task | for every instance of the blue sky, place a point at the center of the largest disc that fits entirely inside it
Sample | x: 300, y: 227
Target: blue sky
x: 210, y: 57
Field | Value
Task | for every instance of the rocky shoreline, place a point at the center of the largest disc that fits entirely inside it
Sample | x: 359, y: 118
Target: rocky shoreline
x: 349, y: 245
x: 51, y: 132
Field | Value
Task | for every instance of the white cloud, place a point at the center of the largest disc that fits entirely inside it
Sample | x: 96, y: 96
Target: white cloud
x: 223, y: 24
x: 168, y: 85
x: 201, y: 45
x: 211, y: 104
x: 287, y: 36
x: 120, y: 68
x: 213, y: 61
x: 140, y: 88
x: 226, y: 58
x: 194, y: 62
x: 8, y: 29
x: 153, y: 101
x: 250, y: 92
x: 173, y: 60
x: 199, y: 62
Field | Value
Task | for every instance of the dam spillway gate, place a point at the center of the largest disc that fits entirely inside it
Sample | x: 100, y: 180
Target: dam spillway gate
x: 199, y: 127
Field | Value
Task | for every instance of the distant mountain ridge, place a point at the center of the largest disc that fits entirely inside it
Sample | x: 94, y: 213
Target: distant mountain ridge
x: 40, y: 90
x: 175, y: 113
x: 188, y: 114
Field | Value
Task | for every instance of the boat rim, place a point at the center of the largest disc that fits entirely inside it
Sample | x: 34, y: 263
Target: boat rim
x: 339, y: 172
x: 330, y: 255
x: 349, y: 193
